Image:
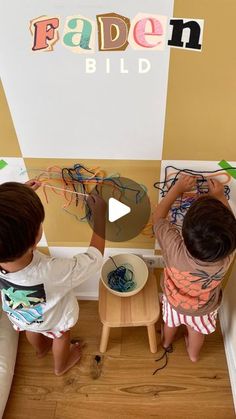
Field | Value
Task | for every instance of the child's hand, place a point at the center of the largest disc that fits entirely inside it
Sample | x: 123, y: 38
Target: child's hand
x: 185, y: 183
x: 33, y: 184
x: 216, y: 188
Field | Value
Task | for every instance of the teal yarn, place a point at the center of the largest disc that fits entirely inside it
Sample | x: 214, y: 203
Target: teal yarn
x: 121, y: 279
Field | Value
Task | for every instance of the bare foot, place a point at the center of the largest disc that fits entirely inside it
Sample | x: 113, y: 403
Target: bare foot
x: 191, y: 357
x: 45, y: 351
x: 74, y: 357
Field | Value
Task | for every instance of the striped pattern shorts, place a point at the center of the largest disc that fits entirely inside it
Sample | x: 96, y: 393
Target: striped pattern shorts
x: 203, y: 324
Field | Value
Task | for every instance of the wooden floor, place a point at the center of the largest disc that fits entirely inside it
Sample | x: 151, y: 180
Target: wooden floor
x: 125, y: 387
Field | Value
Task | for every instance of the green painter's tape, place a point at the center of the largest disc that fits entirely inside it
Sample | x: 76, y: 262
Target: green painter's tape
x: 225, y: 165
x: 3, y: 164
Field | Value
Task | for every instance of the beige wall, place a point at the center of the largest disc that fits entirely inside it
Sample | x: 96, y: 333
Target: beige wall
x: 9, y: 146
x: 201, y: 105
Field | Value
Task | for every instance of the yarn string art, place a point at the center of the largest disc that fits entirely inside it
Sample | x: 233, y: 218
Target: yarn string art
x: 122, y: 278
x: 81, y: 174
x: 201, y: 185
x: 75, y: 183
x: 182, y: 203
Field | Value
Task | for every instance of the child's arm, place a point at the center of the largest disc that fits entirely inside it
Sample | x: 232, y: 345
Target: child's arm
x: 216, y: 190
x: 98, y: 208
x: 185, y: 183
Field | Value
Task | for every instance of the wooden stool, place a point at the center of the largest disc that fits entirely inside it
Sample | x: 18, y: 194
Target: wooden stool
x: 142, y: 309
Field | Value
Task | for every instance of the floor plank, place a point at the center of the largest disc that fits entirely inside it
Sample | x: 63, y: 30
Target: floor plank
x: 19, y: 408
x: 124, y: 386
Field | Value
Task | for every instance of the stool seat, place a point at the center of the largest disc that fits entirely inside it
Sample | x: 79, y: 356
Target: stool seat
x: 141, y: 309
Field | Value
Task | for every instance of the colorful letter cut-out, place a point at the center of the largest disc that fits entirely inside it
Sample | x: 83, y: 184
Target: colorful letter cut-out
x: 45, y: 32
x: 113, y: 31
x: 79, y: 34
x: 148, y: 32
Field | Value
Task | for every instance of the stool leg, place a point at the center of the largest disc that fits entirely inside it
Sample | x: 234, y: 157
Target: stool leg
x: 152, y: 338
x: 104, y: 338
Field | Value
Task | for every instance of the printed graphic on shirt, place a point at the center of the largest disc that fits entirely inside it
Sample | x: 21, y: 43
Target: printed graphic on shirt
x: 191, y: 291
x: 206, y: 279
x: 25, y: 304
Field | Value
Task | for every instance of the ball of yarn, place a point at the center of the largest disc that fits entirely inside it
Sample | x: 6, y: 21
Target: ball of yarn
x: 122, y: 278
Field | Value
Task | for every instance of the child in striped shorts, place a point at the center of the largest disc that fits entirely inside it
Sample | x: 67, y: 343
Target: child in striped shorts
x: 196, y: 261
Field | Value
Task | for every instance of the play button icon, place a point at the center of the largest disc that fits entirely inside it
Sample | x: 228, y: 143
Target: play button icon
x: 128, y: 208
x: 116, y: 210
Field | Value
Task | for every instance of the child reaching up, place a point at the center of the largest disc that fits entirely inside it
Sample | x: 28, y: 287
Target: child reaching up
x: 196, y: 261
x: 37, y: 290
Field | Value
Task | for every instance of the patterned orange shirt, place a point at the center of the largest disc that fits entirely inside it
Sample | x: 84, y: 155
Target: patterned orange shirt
x: 192, y: 287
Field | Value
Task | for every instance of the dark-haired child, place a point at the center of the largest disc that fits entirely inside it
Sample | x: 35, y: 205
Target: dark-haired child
x: 196, y: 261
x: 37, y: 290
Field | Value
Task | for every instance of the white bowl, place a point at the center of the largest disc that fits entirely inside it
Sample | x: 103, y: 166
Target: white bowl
x: 140, y: 271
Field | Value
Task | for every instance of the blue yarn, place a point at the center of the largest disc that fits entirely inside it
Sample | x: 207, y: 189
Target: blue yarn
x: 202, y: 187
x: 122, y: 278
